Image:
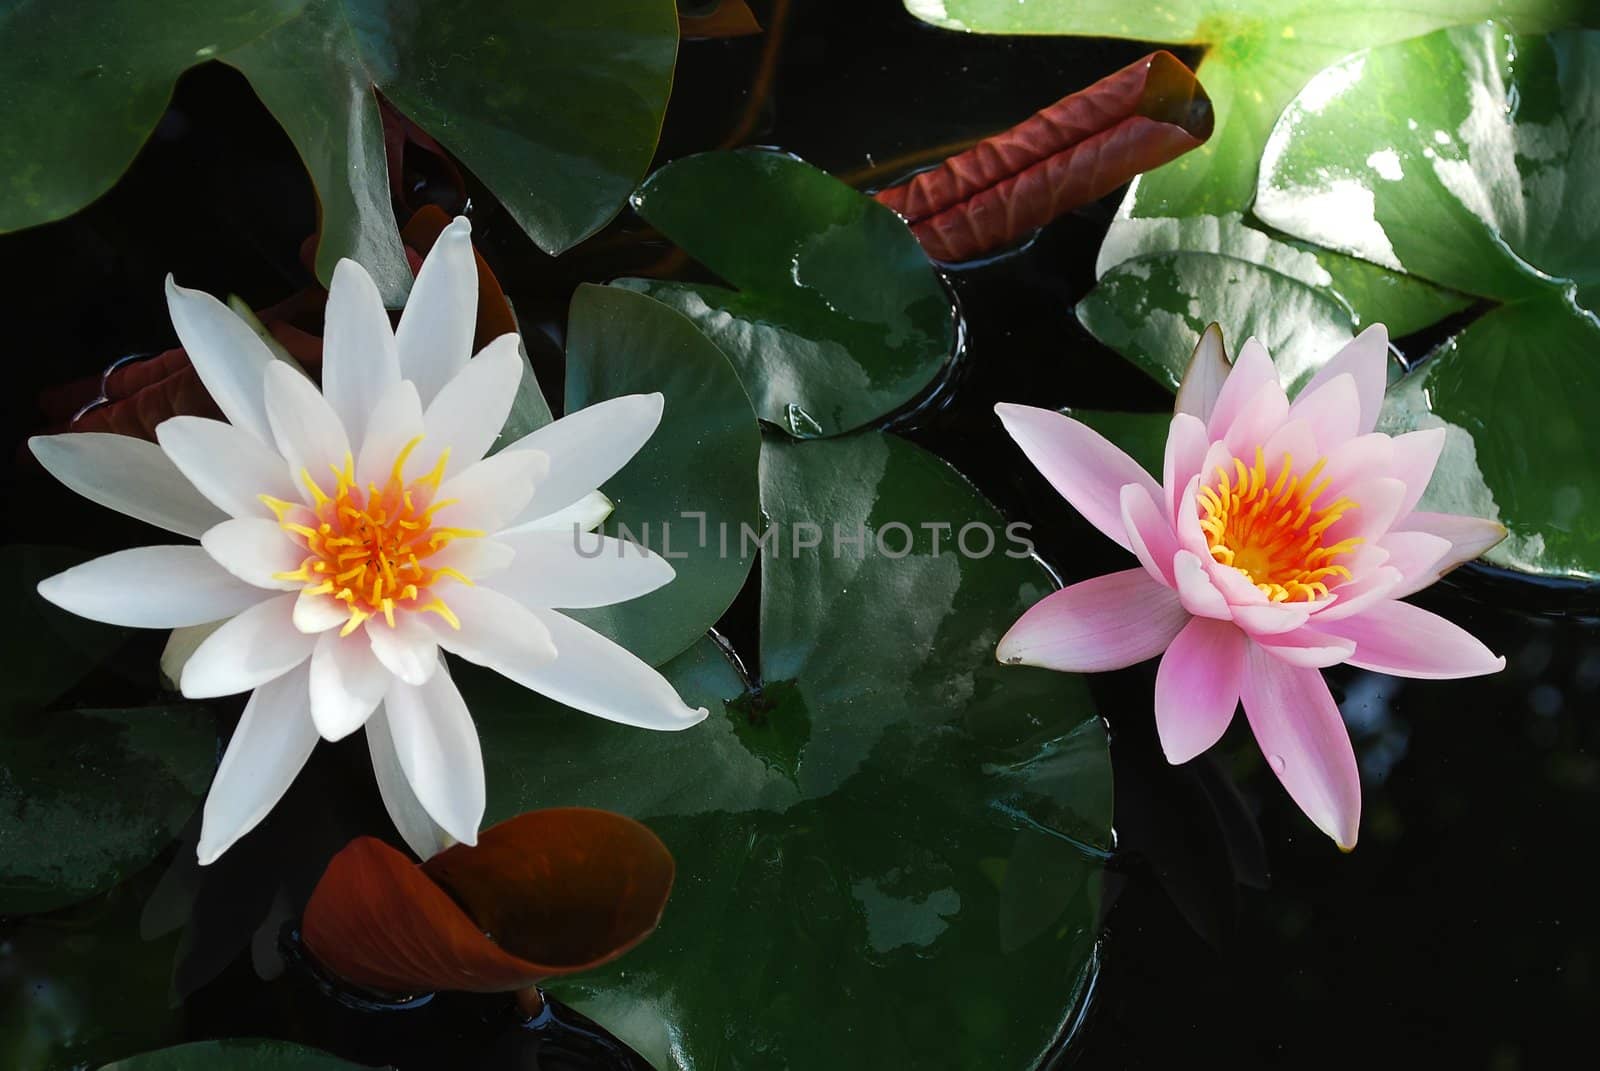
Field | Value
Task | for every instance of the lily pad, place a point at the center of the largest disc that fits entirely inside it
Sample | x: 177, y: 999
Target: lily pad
x: 89, y: 796
x: 48, y: 650
x: 556, y: 107
x: 84, y: 84
x: 691, y: 484
x: 235, y: 1054
x: 79, y: 987
x: 1468, y: 158
x: 928, y: 823
x: 1258, y: 55
x: 838, y: 317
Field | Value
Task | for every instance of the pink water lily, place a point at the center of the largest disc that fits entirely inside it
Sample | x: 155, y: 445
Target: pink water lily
x: 1281, y: 539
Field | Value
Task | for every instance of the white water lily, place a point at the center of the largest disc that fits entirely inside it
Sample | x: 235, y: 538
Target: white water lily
x: 348, y: 534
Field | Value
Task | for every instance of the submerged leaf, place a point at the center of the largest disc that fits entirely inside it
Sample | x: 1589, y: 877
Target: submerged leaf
x: 1075, y: 151
x: 716, y: 18
x: 236, y: 1054
x: 558, y: 890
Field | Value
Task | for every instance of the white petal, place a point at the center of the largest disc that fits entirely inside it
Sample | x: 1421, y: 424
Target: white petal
x: 435, y: 333
x: 253, y: 549
x: 182, y: 643
x: 407, y: 650
x: 305, y: 427
x: 318, y: 613
x: 230, y: 467
x: 272, y: 742
x: 227, y: 354
x: 584, y: 515
x: 394, y: 422
x: 437, y: 747
x: 252, y: 649
x: 587, y: 448
x: 422, y: 833
x: 489, y: 494
x: 347, y: 683
x: 496, y: 631
x: 128, y: 475
x: 360, y: 360
x: 467, y: 414
x: 573, y: 571
x: 602, y: 678
x: 151, y: 587
x: 473, y: 558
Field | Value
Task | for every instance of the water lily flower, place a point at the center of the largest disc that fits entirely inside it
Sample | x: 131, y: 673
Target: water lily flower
x: 348, y: 535
x: 1280, y: 540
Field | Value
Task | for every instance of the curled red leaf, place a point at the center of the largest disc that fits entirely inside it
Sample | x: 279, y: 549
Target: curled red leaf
x: 1075, y: 151
x: 561, y: 890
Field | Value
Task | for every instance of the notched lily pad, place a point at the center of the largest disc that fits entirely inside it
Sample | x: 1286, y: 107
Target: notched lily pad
x: 937, y: 832
x: 837, y: 318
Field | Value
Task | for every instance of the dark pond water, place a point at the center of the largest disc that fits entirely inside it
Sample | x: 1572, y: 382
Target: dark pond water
x: 1463, y: 930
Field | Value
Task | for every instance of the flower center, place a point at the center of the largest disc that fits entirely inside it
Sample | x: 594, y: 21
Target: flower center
x: 375, y: 550
x: 1274, y: 534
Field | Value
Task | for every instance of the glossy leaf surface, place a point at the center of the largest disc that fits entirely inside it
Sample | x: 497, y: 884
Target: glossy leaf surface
x: 1483, y: 183
x: 837, y: 317
x: 694, y: 480
x: 1258, y: 55
x: 889, y: 811
x: 1075, y: 151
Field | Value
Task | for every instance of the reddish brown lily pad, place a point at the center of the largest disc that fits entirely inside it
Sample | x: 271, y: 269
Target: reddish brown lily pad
x: 544, y: 894
x: 1075, y: 151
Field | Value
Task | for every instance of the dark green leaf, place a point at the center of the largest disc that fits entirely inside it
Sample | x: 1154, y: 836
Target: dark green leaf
x: 83, y: 84
x: 555, y: 106
x: 234, y: 1054
x: 1143, y: 436
x: 48, y: 650
x: 837, y: 319
x: 89, y: 796
x: 701, y: 460
x: 904, y: 816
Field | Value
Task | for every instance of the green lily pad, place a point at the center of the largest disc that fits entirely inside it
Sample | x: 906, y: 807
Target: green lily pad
x: 80, y: 987
x: 87, y: 797
x: 886, y: 810
x: 556, y: 107
x: 691, y: 484
x: 84, y: 84
x: 1142, y: 436
x: 235, y: 1054
x: 838, y: 317
x: 1258, y: 55
x: 1468, y: 158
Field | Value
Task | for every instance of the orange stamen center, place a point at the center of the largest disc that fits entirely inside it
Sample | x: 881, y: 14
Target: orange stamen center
x: 1274, y: 533
x: 373, y: 550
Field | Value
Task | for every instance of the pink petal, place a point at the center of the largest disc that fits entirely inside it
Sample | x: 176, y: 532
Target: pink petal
x: 1197, y: 687
x: 1252, y: 370
x: 1309, y: 648
x: 1108, y: 622
x: 1333, y: 410
x: 1355, y: 460
x: 1377, y: 507
x: 1186, y: 451
x: 1203, y: 379
x: 1408, y: 641
x: 1469, y: 536
x: 1366, y: 359
x: 1416, y: 555
x: 1300, y: 732
x: 1150, y: 534
x: 1372, y: 579
x: 1295, y: 439
x: 1186, y: 521
x: 1079, y: 462
x: 1195, y: 589
x: 1416, y: 453
x: 1262, y: 415
x: 1271, y: 618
